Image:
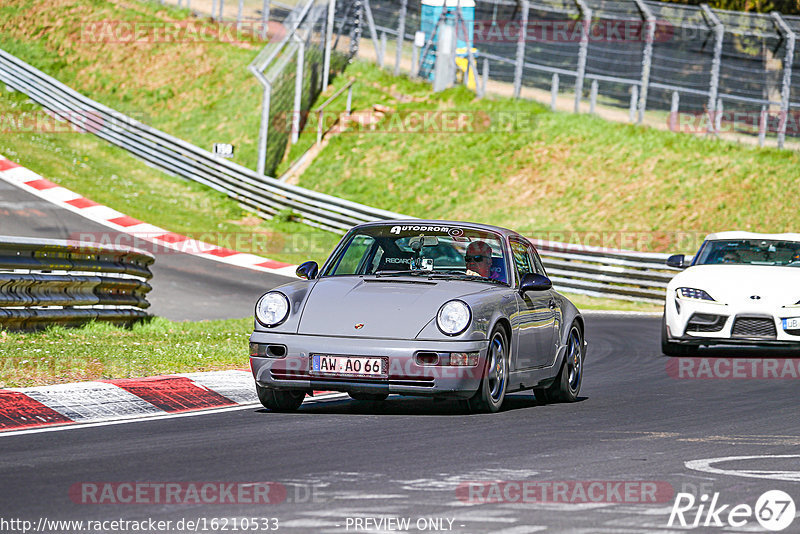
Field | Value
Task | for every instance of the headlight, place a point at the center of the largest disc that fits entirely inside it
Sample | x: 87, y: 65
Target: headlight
x: 272, y: 309
x: 691, y: 293
x: 453, y: 318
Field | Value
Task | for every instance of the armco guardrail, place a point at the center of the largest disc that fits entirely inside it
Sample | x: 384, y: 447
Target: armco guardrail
x: 600, y: 272
x: 262, y: 194
x: 46, y: 281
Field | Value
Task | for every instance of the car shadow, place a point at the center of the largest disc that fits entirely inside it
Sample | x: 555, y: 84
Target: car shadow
x: 416, y: 406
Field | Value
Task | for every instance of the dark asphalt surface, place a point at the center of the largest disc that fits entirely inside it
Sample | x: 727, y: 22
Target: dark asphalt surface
x: 405, y: 457
x: 185, y: 287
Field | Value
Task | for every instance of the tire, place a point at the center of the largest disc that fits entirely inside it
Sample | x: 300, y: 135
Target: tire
x: 279, y: 400
x: 492, y: 390
x: 567, y: 384
x: 674, y: 349
x: 374, y: 397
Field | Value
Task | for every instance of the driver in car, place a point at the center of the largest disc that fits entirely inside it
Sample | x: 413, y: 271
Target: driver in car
x: 479, y: 259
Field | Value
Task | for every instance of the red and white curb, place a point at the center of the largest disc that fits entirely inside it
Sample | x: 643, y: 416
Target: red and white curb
x: 140, y: 231
x: 127, y: 399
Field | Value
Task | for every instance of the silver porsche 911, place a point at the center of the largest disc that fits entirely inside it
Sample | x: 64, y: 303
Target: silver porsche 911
x: 428, y: 308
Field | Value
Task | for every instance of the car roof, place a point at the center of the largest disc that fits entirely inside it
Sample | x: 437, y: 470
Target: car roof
x: 436, y: 222
x: 752, y: 235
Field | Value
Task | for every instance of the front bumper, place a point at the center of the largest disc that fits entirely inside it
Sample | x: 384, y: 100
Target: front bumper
x: 405, y: 375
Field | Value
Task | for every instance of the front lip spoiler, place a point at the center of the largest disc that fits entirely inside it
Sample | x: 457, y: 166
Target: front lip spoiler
x: 750, y: 342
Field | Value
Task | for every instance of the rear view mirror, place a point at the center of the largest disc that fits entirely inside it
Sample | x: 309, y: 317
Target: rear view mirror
x: 307, y: 270
x: 677, y: 261
x: 416, y: 243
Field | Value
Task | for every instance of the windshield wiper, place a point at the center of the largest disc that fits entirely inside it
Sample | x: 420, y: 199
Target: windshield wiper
x: 455, y: 275
x: 413, y: 272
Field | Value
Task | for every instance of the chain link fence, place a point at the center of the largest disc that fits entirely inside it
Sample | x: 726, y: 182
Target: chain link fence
x: 696, y: 68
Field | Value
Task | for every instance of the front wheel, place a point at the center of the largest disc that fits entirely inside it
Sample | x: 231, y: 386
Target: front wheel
x: 279, y: 400
x: 567, y: 384
x: 492, y: 391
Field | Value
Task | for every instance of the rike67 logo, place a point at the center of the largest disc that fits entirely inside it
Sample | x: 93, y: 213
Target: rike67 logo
x: 774, y: 511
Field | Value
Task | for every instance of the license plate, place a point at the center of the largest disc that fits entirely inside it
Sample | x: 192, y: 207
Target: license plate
x: 363, y: 366
x: 791, y: 323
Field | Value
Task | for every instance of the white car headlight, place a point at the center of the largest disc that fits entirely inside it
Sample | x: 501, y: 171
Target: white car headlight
x: 272, y: 309
x: 692, y: 293
x: 453, y: 318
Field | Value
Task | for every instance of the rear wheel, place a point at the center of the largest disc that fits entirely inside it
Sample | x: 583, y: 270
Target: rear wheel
x: 492, y: 391
x: 567, y: 384
x: 674, y: 349
x: 279, y: 400
x: 375, y: 397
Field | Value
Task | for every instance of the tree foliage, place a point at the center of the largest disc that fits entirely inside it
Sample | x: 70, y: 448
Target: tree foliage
x: 787, y: 7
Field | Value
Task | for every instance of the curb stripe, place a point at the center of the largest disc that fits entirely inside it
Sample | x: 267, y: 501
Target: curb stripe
x: 173, y: 393
x: 18, y: 410
x: 6, y: 164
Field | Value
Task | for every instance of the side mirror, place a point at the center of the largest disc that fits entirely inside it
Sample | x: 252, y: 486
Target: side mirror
x: 307, y: 270
x: 534, y: 282
x: 677, y: 261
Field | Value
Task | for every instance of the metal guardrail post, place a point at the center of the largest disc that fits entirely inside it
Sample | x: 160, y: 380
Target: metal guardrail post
x: 414, y: 60
x: 583, y: 51
x: 326, y: 62
x: 484, y: 76
x: 520, y: 61
x: 554, y: 92
x: 401, y: 36
x: 298, y: 89
x: 718, y: 116
x: 634, y: 103
x: 213, y: 8
x: 239, y: 16
x: 373, y: 32
x: 221, y: 12
x: 788, y: 59
x: 673, y: 111
x: 719, y: 35
x: 593, y: 96
x: 762, y: 126
x: 382, y: 51
x: 647, y: 55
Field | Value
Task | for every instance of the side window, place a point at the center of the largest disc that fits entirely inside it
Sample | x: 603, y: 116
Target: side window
x: 354, y: 255
x: 522, y: 260
x: 538, y: 262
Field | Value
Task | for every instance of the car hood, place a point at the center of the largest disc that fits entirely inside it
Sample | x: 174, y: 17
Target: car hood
x: 775, y: 285
x: 386, y: 307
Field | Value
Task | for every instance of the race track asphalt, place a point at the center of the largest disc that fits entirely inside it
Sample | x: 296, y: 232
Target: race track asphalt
x: 185, y: 287
x: 406, y: 457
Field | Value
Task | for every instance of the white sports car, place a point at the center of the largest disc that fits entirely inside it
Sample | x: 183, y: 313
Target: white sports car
x: 741, y: 288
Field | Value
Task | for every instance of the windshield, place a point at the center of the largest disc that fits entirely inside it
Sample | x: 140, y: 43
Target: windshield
x: 437, y: 251
x: 749, y: 252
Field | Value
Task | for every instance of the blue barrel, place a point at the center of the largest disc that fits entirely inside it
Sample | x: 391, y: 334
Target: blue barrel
x: 432, y: 12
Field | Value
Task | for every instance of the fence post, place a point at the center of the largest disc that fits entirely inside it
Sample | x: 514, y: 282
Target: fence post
x: 263, y: 131
x: 762, y: 126
x: 382, y: 51
x: 790, y: 37
x: 521, y: 50
x: 264, y: 19
x: 326, y: 62
x: 401, y: 36
x: 718, y: 116
x: 372, y: 30
x: 484, y: 76
x: 647, y: 55
x: 593, y: 96
x: 221, y: 12
x: 554, y: 92
x: 634, y: 101
x: 673, y: 111
x: 349, y: 99
x: 298, y: 89
x: 239, y: 16
x: 414, y: 58
x: 719, y: 34
x: 586, y: 21
x: 213, y: 8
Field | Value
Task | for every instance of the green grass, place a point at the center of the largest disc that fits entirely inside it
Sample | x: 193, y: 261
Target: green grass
x: 102, y: 351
